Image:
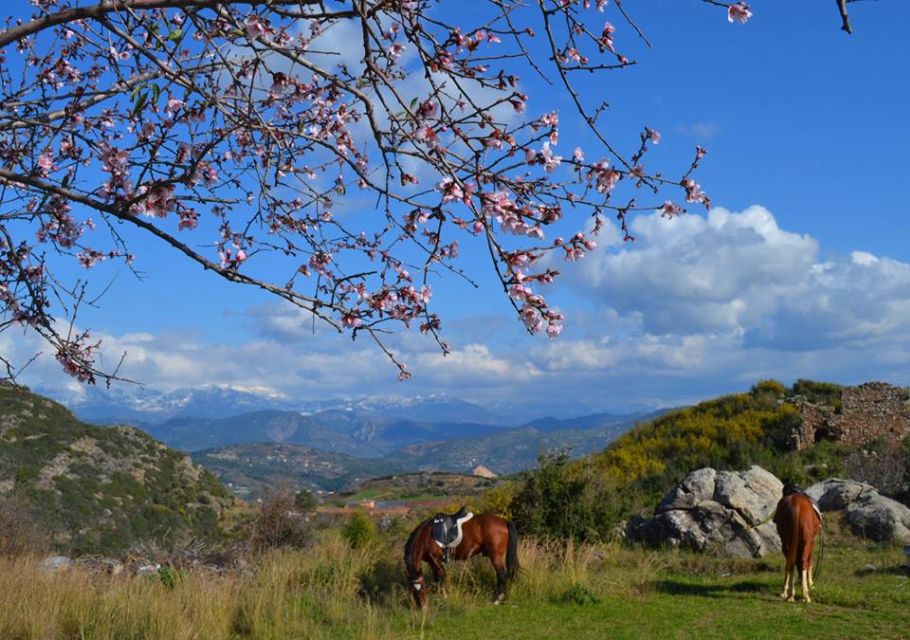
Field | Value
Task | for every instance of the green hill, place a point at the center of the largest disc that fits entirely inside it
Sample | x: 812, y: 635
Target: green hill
x: 100, y: 489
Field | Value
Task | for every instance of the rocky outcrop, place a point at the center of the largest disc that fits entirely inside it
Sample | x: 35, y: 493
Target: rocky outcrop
x: 868, y: 513
x: 724, y: 511
x: 483, y: 472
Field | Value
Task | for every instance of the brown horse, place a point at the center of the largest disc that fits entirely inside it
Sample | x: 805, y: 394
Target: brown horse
x: 485, y: 534
x: 798, y: 522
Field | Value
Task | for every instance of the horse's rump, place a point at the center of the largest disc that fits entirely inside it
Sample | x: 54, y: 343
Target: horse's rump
x: 798, y: 522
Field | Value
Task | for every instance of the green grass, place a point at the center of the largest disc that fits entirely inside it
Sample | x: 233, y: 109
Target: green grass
x: 577, y: 592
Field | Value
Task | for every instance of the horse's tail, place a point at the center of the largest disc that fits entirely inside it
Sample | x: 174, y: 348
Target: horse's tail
x: 512, y: 550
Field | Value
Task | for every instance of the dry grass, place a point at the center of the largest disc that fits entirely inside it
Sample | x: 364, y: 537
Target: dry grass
x: 328, y: 590
x: 332, y: 591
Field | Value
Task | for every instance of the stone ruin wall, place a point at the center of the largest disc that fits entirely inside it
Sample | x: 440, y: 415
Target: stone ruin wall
x: 870, y: 411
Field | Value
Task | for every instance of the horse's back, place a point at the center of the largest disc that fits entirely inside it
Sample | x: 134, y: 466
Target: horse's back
x: 797, y: 519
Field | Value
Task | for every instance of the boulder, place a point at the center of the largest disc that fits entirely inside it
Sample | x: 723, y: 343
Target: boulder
x: 834, y: 494
x: 868, y: 513
x: 753, y: 494
x: 55, y: 564
x: 876, y: 517
x: 694, y: 489
x: 724, y: 511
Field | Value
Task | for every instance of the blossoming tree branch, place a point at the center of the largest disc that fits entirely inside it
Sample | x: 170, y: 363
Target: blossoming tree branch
x: 334, y: 154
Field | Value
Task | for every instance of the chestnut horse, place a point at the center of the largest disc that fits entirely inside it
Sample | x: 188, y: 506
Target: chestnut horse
x: 485, y: 534
x: 798, y: 522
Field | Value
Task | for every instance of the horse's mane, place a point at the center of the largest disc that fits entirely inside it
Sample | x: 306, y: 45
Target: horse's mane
x: 412, y: 564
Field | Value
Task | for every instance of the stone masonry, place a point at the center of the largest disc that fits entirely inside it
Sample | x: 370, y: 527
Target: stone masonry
x: 870, y: 411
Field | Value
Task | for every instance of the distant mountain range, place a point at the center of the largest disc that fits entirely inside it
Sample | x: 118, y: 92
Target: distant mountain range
x: 253, y: 438
x: 134, y: 404
x: 361, y: 434
x: 250, y: 468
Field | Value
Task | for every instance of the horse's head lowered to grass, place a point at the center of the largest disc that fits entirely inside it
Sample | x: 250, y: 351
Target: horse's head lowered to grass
x: 460, y: 536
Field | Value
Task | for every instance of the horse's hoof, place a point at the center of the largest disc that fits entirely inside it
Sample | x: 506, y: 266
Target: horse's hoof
x: 783, y: 596
x: 791, y: 599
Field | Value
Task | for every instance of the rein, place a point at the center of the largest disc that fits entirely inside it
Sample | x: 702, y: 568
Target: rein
x: 821, y: 550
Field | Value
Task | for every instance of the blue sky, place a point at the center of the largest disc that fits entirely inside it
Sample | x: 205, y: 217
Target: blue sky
x: 802, y: 270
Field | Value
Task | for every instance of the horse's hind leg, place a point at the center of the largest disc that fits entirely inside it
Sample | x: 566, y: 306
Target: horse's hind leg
x: 806, y: 565
x: 501, y: 577
x: 788, y: 576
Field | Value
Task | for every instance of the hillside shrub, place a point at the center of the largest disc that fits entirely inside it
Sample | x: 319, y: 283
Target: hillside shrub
x: 305, y: 501
x: 496, y: 500
x: 567, y: 501
x: 19, y: 532
x: 359, y: 530
x: 882, y: 465
x: 279, y: 523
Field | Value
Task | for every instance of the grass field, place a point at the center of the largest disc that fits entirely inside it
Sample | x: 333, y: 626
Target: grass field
x: 599, y: 591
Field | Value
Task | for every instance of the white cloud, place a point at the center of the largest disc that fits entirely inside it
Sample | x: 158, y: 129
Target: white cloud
x: 696, y: 307
x: 741, y: 274
x: 700, y: 130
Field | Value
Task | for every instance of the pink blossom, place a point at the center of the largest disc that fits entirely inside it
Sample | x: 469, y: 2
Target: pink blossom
x: 350, y: 321
x: 670, y: 210
x: 46, y: 161
x: 551, y: 160
x: 396, y: 50
x: 519, y: 102
x: 173, y: 105
x: 738, y: 12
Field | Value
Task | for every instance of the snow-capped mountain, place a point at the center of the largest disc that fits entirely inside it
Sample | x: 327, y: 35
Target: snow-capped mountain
x: 151, y: 406
x: 145, y: 405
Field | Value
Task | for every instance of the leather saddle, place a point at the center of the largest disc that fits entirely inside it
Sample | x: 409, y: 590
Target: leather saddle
x: 447, y: 531
x: 790, y: 489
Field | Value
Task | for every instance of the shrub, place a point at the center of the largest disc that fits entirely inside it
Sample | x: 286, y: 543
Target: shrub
x: 279, y: 523
x: 19, y: 532
x: 882, y: 465
x: 563, y: 500
x: 305, y: 501
x: 359, y: 530
x: 496, y: 500
x: 578, y: 594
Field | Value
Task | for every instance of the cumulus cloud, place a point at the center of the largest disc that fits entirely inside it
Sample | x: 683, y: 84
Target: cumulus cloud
x: 741, y: 274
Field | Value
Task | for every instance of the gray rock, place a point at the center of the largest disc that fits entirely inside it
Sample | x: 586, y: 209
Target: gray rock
x: 753, y: 493
x: 754, y: 542
x: 876, y: 517
x: 725, y: 512
x: 54, y: 564
x: 695, y: 488
x: 834, y: 494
